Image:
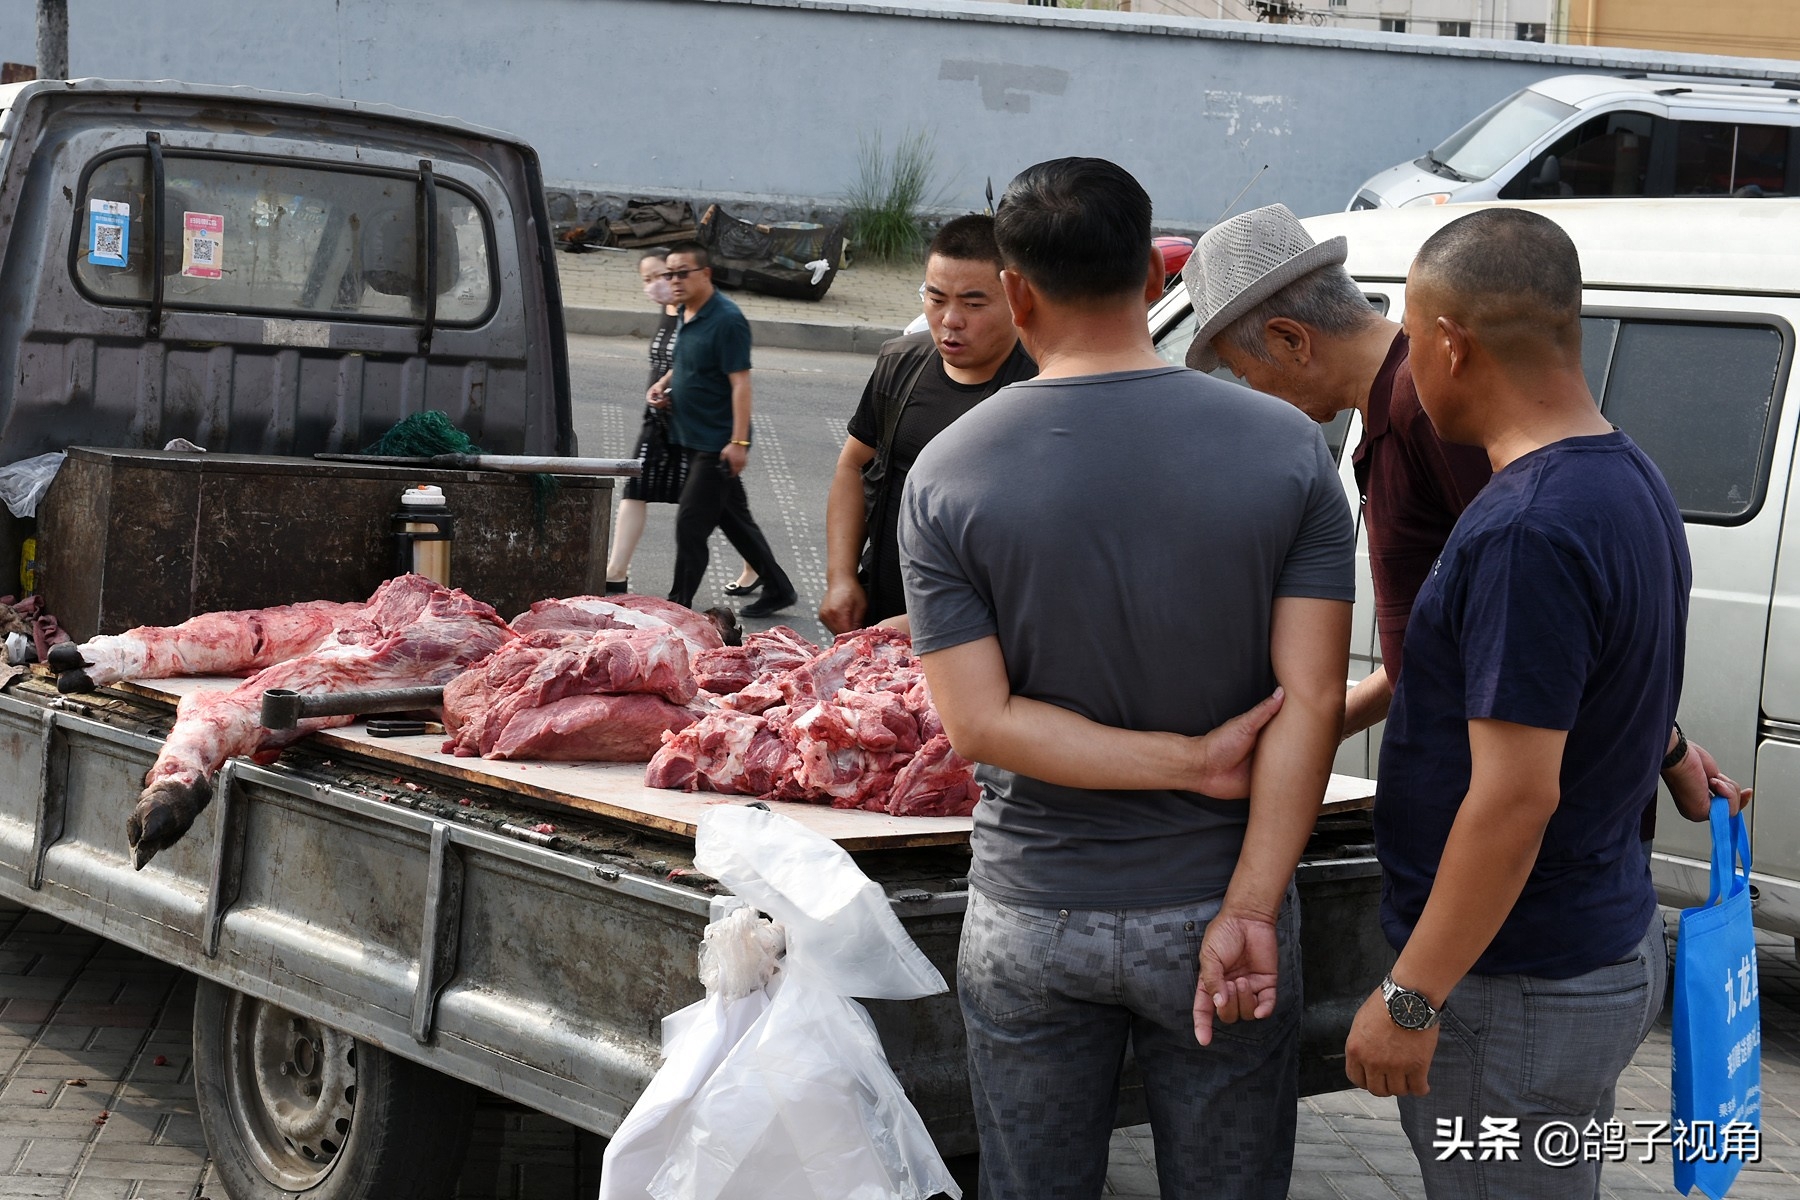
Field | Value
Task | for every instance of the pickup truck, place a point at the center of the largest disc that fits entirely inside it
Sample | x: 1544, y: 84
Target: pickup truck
x: 374, y: 939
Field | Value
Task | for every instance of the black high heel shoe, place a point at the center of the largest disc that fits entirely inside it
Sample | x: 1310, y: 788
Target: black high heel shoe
x: 748, y: 589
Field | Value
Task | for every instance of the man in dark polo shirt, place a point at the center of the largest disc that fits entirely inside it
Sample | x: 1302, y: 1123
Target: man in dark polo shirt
x: 1283, y: 314
x: 707, y: 393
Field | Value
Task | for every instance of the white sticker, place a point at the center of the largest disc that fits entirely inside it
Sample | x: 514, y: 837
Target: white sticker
x: 313, y: 334
x: 202, y: 245
x: 109, y: 232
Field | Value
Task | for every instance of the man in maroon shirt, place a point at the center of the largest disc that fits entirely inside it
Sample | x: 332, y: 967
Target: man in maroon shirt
x: 1282, y: 313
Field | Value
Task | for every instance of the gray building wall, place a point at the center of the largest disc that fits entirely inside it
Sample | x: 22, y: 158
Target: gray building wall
x: 721, y: 98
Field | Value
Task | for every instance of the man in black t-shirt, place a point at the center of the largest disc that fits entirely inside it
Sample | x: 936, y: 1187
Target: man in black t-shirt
x: 921, y: 384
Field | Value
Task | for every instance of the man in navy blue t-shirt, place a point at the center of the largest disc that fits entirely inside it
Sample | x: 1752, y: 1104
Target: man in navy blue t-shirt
x: 1543, y: 670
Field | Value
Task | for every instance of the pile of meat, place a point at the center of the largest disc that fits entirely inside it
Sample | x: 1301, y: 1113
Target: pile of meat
x: 851, y: 725
x: 588, y: 679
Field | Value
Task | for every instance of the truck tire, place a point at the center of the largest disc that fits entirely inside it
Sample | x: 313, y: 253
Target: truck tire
x: 295, y: 1109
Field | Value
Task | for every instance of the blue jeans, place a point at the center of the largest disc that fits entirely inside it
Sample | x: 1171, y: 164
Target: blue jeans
x: 1050, y: 999
x: 1542, y: 1051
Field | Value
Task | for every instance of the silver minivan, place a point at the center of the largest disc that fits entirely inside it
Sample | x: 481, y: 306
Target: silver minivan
x: 1689, y: 313
x: 1600, y: 135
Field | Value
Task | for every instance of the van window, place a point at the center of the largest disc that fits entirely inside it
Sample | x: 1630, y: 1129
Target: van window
x: 1608, y: 155
x: 280, y: 237
x: 1700, y: 400
x: 1716, y: 158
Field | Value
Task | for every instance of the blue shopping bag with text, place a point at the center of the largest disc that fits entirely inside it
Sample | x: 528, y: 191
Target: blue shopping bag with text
x: 1716, y: 1075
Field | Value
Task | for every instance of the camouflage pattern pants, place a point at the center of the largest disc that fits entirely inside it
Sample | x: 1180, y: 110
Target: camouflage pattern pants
x: 1051, y: 998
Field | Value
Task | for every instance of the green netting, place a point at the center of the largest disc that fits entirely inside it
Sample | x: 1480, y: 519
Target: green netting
x: 420, y: 436
x: 427, y: 433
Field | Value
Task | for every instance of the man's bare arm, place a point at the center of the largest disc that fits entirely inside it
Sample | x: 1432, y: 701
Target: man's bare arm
x: 846, y: 528
x: 987, y: 723
x: 1514, y: 789
x: 1367, y: 703
x: 1309, y: 648
x: 737, y: 453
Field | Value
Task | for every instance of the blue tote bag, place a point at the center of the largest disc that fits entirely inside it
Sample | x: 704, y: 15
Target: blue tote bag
x: 1717, y: 1073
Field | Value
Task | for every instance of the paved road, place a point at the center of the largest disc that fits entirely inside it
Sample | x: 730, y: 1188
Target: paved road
x: 803, y: 400
x: 73, y: 1007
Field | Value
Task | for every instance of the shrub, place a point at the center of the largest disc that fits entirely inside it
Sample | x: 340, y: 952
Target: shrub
x: 886, y: 202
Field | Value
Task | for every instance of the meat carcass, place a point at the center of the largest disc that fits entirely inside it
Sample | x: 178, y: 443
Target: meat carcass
x: 590, y: 614
x: 544, y: 669
x: 411, y: 633
x: 221, y: 643
x: 851, y: 746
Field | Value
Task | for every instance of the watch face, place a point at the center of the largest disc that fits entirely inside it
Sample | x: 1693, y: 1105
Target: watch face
x: 1409, y: 1010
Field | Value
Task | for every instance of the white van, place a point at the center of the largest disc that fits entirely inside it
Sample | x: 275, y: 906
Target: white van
x: 1689, y: 313
x: 1602, y: 135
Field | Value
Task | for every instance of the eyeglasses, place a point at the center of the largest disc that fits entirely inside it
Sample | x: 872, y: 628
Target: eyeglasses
x: 681, y: 274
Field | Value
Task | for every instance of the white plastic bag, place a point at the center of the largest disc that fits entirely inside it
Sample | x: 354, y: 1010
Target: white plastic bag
x: 783, y: 1091
x: 23, y: 484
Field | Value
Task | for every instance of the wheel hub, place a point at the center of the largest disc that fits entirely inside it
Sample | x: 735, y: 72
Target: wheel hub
x: 292, y: 1091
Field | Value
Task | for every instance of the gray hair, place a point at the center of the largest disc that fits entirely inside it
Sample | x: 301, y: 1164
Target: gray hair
x: 1326, y: 300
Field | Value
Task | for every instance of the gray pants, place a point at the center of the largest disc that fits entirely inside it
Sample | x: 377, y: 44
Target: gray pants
x: 1541, y: 1051
x: 1050, y: 998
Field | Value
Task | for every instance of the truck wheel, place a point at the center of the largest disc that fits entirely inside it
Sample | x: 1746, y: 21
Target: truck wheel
x: 295, y: 1108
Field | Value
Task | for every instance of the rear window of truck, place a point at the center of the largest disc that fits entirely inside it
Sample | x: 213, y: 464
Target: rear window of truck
x: 276, y: 237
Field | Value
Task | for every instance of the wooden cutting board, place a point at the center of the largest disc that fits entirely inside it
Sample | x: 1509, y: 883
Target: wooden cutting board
x: 617, y: 791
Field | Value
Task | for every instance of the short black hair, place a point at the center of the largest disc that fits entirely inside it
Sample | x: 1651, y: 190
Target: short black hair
x: 1506, y: 264
x: 693, y: 250
x: 654, y: 252
x: 967, y: 239
x: 1077, y: 228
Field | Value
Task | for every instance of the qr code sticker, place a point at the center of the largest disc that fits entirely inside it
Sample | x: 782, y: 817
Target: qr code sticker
x: 206, y: 251
x: 109, y: 240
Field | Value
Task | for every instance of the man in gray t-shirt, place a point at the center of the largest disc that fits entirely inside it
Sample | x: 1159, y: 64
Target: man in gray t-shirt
x: 1157, y: 553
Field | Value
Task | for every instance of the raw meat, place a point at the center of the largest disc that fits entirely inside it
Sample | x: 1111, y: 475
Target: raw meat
x: 852, y: 726
x: 590, y: 614
x: 593, y: 729
x: 411, y: 633
x: 725, y: 751
x: 850, y: 747
x: 545, y: 667
x: 221, y: 643
x: 935, y: 782
x: 732, y: 668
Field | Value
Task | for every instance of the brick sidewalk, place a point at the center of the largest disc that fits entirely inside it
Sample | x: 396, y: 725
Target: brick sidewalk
x: 75, y: 1007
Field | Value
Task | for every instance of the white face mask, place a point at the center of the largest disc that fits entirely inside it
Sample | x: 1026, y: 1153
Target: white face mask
x: 660, y: 291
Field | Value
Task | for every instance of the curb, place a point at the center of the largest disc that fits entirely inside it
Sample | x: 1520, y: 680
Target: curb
x: 782, y: 334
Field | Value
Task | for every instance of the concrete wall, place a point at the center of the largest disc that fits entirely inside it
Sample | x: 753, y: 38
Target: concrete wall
x: 709, y: 98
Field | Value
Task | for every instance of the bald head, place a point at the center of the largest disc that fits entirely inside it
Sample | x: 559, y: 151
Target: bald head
x: 1511, y: 277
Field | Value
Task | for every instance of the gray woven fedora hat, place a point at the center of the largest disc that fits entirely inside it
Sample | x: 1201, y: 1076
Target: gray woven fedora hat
x: 1239, y: 263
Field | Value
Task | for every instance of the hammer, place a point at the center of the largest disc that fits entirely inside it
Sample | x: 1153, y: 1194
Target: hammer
x: 284, y: 708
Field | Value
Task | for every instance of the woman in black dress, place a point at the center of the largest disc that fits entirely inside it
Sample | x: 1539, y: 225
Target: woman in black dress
x: 665, y: 466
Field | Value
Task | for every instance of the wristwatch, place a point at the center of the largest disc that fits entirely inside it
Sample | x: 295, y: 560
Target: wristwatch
x: 1679, y: 754
x: 1409, y: 1009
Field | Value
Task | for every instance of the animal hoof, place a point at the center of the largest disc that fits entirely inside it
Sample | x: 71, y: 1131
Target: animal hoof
x: 165, y: 811
x: 66, y: 656
x: 77, y: 680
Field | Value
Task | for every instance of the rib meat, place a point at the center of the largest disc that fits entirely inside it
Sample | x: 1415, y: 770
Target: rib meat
x: 730, y: 669
x: 221, y: 643
x: 411, y: 633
